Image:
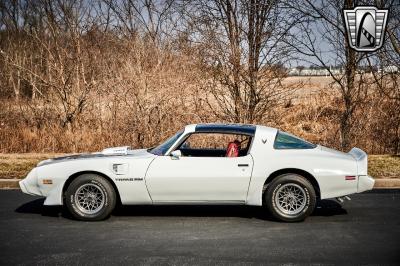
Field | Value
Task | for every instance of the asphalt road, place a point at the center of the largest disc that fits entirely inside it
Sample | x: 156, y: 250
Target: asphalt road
x: 365, y: 230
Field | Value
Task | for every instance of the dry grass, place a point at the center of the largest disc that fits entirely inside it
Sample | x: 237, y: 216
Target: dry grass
x: 18, y: 165
x: 384, y: 166
x: 311, y: 84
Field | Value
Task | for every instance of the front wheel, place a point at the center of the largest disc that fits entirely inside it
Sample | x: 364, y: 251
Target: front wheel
x: 90, y: 197
x: 290, y: 198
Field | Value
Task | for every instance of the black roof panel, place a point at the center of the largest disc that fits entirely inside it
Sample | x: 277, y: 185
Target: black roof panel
x: 227, y: 128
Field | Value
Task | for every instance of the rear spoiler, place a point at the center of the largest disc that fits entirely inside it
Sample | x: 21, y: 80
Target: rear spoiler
x: 362, y: 160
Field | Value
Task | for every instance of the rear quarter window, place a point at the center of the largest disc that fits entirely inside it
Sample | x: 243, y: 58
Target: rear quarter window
x: 285, y: 140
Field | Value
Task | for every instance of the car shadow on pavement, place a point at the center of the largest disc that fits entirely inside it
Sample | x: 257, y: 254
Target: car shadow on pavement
x: 328, y: 208
x: 37, y: 207
x: 324, y: 208
x: 193, y: 211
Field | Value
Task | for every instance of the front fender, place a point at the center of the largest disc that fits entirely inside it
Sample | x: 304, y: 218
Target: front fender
x: 49, y: 180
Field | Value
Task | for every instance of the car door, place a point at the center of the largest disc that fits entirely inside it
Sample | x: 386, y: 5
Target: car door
x: 199, y: 179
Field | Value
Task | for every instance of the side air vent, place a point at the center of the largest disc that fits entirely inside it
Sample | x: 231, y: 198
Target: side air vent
x: 120, y: 168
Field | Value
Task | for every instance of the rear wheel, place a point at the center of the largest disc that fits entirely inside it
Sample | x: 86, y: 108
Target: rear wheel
x: 290, y: 198
x: 90, y: 197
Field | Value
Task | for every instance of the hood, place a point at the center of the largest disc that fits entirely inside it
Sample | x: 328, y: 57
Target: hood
x: 109, y: 152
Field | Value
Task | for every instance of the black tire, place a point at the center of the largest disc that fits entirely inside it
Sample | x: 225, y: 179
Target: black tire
x: 280, y: 198
x: 100, y: 193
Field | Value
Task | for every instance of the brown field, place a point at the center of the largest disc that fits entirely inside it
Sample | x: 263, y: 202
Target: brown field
x: 15, y: 166
x: 311, y: 115
x: 124, y: 117
x: 384, y: 166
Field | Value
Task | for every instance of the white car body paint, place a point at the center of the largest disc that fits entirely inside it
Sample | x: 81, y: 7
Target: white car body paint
x: 141, y: 177
x: 199, y: 179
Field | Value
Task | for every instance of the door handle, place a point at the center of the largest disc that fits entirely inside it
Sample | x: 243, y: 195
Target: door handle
x: 243, y: 165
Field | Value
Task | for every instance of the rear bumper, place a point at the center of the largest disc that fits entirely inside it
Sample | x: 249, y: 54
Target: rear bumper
x: 365, y: 182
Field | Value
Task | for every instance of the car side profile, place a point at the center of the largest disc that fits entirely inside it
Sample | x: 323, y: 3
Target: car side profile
x: 204, y: 164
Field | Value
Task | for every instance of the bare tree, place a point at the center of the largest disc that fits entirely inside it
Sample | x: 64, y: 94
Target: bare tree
x: 241, y: 47
x: 11, y: 18
x: 145, y: 16
x: 387, y: 78
x: 72, y: 69
x: 56, y: 59
x: 388, y: 58
x: 321, y: 38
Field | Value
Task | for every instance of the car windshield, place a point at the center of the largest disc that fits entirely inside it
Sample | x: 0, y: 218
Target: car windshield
x: 284, y: 140
x: 163, y: 147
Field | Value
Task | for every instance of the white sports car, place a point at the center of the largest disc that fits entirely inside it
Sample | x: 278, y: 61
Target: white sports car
x: 204, y: 164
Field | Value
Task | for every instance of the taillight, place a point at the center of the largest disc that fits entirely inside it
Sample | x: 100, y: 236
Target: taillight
x: 350, y: 177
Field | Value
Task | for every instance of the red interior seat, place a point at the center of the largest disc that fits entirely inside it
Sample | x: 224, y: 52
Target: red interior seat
x: 233, y: 149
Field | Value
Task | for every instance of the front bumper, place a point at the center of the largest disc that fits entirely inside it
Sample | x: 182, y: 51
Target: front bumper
x: 365, y: 182
x: 29, y: 185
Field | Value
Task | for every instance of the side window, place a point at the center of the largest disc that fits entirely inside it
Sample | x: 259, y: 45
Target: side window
x: 284, y: 140
x: 215, y: 145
